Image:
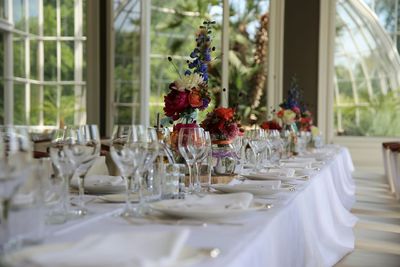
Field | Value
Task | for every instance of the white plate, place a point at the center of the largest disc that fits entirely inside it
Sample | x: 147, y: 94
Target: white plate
x: 166, y: 207
x: 273, y: 177
x: 118, y: 198
x: 254, y: 189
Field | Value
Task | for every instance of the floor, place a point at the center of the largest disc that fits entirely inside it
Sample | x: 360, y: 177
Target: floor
x: 378, y: 229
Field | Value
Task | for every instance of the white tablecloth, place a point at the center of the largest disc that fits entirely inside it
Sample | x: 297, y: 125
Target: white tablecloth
x: 309, y: 227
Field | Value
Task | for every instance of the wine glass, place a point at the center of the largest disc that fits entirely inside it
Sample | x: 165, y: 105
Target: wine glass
x: 191, y: 144
x: 83, y: 149
x: 147, y: 145
x: 237, y: 144
x: 258, y: 142
x: 123, y: 157
x: 286, y: 136
x: 203, y: 156
x: 62, y: 162
x: 15, y: 165
x: 276, y: 146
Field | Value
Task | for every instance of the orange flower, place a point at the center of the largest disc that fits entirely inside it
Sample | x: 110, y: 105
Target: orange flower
x: 195, y: 99
x: 225, y: 113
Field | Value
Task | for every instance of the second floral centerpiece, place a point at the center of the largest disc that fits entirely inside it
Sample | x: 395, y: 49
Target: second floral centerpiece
x: 223, y: 125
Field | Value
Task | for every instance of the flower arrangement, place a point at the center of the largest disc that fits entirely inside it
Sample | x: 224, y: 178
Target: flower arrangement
x: 222, y: 123
x: 271, y: 125
x: 189, y: 93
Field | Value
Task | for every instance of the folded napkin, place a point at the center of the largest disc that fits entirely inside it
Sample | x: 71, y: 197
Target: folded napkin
x: 99, y: 180
x: 270, y: 184
x: 288, y: 172
x: 301, y: 165
x: 127, y: 249
x: 215, y: 202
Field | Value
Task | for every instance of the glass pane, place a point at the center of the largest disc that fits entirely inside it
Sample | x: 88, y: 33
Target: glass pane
x: 18, y: 14
x: 127, y: 115
x: 127, y: 55
x: 33, y: 16
x: 34, y: 59
x: 248, y: 45
x: 1, y: 101
x: 67, y: 105
x: 67, y: 61
x: 35, y: 105
x: 50, y: 19
x: 50, y: 59
x: 3, y: 9
x: 19, y: 56
x: 67, y: 17
x: 369, y: 91
x: 19, y: 104
x: 50, y: 105
x: 1, y: 54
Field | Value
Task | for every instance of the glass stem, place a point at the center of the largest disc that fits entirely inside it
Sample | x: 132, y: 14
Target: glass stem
x: 128, y: 188
x: 66, y: 201
x: 81, y: 201
x: 196, y: 184
x: 190, y: 186
x: 4, y: 236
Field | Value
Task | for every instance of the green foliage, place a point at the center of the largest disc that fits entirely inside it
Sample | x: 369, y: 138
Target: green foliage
x: 380, y: 118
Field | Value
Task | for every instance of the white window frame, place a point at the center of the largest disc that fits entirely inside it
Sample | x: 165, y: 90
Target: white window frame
x: 7, y: 27
x: 275, y: 59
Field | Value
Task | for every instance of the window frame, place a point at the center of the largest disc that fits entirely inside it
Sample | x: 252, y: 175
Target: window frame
x: 8, y: 29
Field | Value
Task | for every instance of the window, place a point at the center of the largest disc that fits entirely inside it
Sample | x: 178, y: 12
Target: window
x: 367, y: 69
x: 43, y: 50
x: 171, y: 29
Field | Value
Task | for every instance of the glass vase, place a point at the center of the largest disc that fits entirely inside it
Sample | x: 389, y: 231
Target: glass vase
x: 223, y: 157
x: 289, y: 138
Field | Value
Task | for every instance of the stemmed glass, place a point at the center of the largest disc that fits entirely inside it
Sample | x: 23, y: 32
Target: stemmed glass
x: 191, y: 144
x: 15, y: 163
x: 124, y: 158
x: 83, y: 149
x: 258, y: 142
x: 204, y: 155
x: 147, y: 145
x: 63, y: 163
x: 237, y: 144
x: 285, y: 137
x: 276, y: 146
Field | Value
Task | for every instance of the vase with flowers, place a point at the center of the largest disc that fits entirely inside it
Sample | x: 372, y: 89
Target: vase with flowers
x: 189, y: 94
x: 223, y: 125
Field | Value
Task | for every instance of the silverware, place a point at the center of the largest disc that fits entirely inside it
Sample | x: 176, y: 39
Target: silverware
x: 211, y: 252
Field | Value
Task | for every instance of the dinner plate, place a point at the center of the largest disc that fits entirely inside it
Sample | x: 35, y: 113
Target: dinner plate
x: 118, y: 198
x: 166, y: 207
x: 254, y: 189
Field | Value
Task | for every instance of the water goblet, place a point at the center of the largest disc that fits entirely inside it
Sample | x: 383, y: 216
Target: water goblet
x: 83, y: 149
x: 15, y: 164
x: 191, y: 144
x: 258, y: 142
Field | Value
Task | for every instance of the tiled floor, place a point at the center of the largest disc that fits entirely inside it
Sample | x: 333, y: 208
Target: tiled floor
x: 378, y: 229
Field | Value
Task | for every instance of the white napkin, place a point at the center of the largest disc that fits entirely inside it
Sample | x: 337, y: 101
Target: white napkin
x: 99, y: 181
x: 301, y: 165
x: 127, y: 249
x: 223, y: 202
x: 288, y: 172
x: 251, y: 184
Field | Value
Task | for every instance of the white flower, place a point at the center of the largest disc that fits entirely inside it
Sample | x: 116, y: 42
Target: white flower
x: 288, y: 116
x: 188, y: 82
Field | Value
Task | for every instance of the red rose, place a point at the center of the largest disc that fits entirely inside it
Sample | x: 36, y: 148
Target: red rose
x: 224, y: 113
x: 175, y: 103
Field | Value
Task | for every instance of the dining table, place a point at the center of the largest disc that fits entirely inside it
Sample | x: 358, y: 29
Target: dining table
x: 309, y: 226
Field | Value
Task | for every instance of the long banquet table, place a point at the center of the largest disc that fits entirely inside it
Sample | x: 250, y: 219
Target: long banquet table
x: 311, y: 226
